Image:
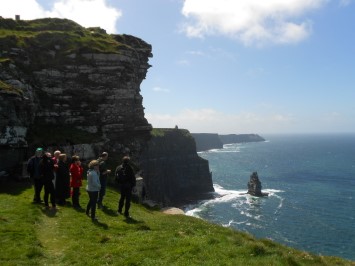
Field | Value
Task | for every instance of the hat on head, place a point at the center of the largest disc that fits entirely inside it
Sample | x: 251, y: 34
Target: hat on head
x: 39, y: 149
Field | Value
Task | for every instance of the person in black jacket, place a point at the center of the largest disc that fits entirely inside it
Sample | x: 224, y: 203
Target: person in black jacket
x: 47, y: 174
x: 127, y: 181
x: 35, y: 176
x: 62, y: 182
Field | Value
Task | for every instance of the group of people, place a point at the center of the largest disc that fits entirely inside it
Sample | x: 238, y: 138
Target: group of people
x: 62, y: 180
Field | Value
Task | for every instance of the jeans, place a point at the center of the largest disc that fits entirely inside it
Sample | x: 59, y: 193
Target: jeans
x: 102, y: 193
x: 49, y: 190
x: 126, y: 195
x: 92, y: 203
x: 38, y: 185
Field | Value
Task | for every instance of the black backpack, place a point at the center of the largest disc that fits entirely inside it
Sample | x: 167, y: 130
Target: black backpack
x: 120, y: 175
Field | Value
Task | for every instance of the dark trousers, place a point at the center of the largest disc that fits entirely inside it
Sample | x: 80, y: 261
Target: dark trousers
x: 75, y: 197
x: 49, y: 191
x: 126, y: 195
x: 38, y: 185
x: 102, y: 193
x: 92, y: 203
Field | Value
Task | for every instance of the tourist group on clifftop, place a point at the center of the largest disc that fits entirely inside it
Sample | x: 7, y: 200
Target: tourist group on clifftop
x: 62, y: 180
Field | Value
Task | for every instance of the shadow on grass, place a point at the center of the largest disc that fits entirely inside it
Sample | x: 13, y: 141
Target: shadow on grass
x: 109, y: 211
x: 131, y: 220
x: 50, y: 212
x: 13, y: 187
x: 100, y: 224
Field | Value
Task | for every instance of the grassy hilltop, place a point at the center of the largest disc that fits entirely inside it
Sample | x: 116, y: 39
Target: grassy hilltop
x: 30, y: 235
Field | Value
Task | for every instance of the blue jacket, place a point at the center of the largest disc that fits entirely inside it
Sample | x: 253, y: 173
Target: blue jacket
x: 93, y: 181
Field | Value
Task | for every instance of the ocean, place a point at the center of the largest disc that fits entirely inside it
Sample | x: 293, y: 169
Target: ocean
x: 311, y: 184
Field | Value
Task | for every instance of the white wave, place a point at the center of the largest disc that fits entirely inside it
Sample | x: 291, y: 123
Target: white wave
x: 241, y: 201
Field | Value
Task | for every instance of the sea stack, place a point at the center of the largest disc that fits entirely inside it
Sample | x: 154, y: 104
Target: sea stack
x: 254, y: 186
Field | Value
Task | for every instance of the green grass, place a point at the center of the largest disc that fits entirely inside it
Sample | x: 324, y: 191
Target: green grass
x: 30, y: 235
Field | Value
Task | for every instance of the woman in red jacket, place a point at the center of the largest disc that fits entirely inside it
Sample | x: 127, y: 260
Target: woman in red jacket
x: 76, y: 172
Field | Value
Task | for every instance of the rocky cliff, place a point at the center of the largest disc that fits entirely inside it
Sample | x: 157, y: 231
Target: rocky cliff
x: 208, y: 141
x: 173, y: 172
x: 69, y: 87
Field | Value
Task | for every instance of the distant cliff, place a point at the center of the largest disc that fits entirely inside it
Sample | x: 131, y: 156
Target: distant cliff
x: 173, y: 172
x: 208, y: 141
x: 69, y: 87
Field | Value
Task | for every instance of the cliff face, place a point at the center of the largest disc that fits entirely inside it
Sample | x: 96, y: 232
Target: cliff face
x: 69, y: 87
x: 208, y: 141
x: 173, y: 172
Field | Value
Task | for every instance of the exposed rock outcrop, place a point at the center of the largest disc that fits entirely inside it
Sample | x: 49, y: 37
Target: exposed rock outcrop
x: 173, y: 172
x: 69, y: 87
x: 254, y: 186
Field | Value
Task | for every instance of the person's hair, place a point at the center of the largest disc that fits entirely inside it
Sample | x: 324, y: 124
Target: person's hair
x: 126, y: 159
x: 93, y: 163
x: 104, y: 154
x: 56, y: 152
x: 75, y: 158
x: 62, y: 157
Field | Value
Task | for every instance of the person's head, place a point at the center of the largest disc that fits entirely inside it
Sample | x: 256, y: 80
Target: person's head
x: 62, y: 157
x: 56, y: 154
x: 104, y: 156
x: 75, y: 159
x: 39, y: 152
x: 94, y: 164
x: 126, y: 159
x: 48, y: 154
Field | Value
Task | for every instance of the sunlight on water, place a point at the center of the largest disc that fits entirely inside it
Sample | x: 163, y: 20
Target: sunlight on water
x: 310, y: 181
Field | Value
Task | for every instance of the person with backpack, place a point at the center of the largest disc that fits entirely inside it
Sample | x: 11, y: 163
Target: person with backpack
x: 126, y: 180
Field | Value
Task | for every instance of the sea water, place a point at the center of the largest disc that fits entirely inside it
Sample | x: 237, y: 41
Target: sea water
x: 311, y: 184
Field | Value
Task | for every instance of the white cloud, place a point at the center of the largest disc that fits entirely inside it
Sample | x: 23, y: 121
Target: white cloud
x: 250, y: 21
x: 27, y: 9
x: 88, y: 13
x: 159, y: 89
x: 212, y: 121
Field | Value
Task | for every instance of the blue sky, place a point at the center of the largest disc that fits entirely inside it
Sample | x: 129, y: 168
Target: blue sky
x: 232, y: 66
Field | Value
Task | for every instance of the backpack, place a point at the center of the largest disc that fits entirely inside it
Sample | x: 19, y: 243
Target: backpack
x: 120, y: 175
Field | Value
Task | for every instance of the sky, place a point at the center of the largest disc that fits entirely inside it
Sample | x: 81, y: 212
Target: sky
x: 232, y: 66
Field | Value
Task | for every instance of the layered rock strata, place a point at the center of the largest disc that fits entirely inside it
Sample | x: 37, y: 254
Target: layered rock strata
x: 173, y: 172
x: 69, y: 87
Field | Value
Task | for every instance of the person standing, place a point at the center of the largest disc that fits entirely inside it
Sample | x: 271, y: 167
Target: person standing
x: 76, y: 173
x: 55, y: 160
x: 47, y: 174
x: 34, y: 170
x: 127, y: 181
x: 104, y: 172
x: 62, y: 184
x: 93, y: 187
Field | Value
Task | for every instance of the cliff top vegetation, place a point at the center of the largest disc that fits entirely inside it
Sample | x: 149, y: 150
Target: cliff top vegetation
x: 31, y: 235
x: 51, y: 33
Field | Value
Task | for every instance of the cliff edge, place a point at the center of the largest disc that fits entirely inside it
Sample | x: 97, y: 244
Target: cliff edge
x: 71, y: 88
x: 173, y: 172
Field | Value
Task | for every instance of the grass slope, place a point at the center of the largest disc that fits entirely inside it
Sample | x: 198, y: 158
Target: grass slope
x: 31, y: 235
